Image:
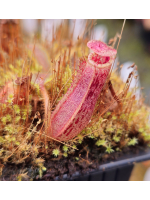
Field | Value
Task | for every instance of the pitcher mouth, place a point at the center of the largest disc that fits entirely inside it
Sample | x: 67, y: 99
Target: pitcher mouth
x: 101, y: 48
x: 103, y: 55
x: 100, y: 61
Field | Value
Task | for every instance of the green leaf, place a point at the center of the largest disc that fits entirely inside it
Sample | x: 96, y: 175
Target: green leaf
x: 108, y: 113
x: 4, y: 119
x: 147, y: 137
x: 1, y: 139
x: 74, y: 146
x: 116, y: 139
x: 65, y: 155
x: 80, y: 141
x: 4, y: 106
x: 44, y: 168
x: 91, y: 136
x: 40, y: 173
x: 101, y: 143
x: 13, y: 139
x: 10, y: 100
x: 141, y: 130
x: 118, y: 149
x: 17, y: 143
x: 56, y: 152
x: 9, y: 129
x: 29, y: 134
x: 37, y: 88
x: 65, y: 148
x: 114, y: 117
x: 24, y: 117
x: 109, y: 149
x: 11, y: 66
x: 110, y: 129
x: 122, y: 116
x: 133, y: 142
x: 8, y: 117
x: 16, y: 108
x: 119, y: 131
x: 19, y: 178
x: 11, y: 96
x: 17, y: 119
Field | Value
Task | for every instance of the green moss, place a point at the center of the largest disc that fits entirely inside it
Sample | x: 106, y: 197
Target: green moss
x: 116, y: 139
x: 109, y: 149
x: 101, y: 143
x: 56, y: 152
x: 133, y: 142
x: 65, y: 154
x: 65, y: 148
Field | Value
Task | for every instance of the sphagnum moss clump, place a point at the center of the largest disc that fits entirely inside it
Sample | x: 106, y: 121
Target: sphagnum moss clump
x: 118, y: 121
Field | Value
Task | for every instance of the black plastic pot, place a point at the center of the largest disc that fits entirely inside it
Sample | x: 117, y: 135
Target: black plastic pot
x: 119, y: 170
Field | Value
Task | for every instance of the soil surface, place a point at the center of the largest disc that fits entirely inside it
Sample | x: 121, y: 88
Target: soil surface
x: 81, y: 162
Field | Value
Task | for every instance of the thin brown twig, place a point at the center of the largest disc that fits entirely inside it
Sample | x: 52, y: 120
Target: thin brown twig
x: 61, y: 90
x: 120, y: 36
x: 59, y: 141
